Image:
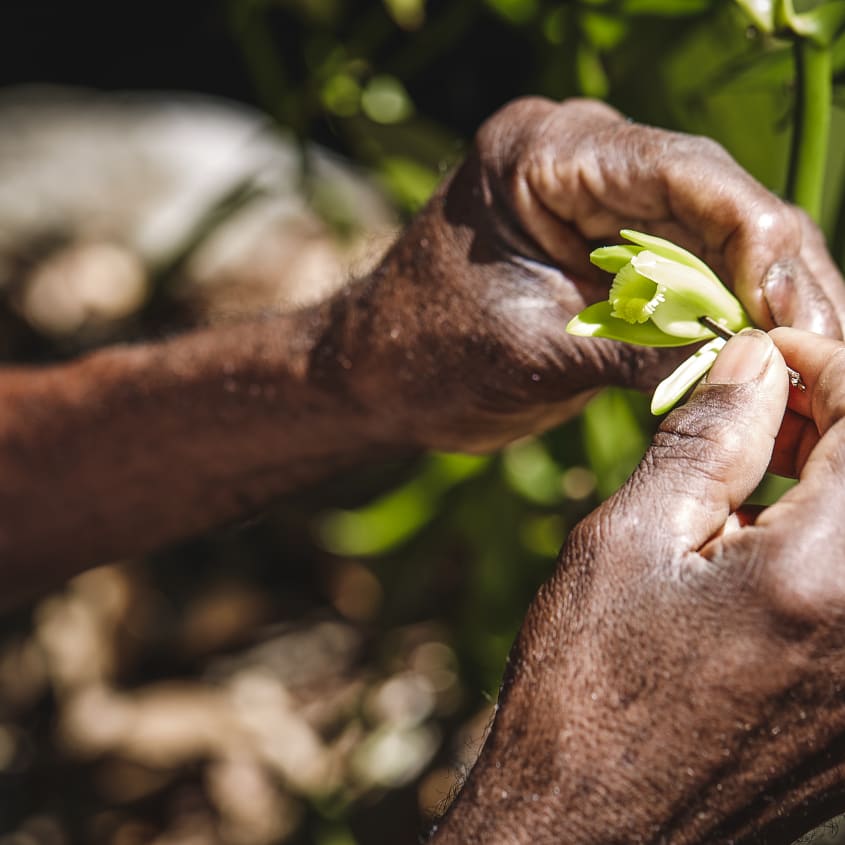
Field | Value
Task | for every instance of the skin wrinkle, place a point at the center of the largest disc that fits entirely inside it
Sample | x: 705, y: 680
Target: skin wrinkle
x: 781, y: 791
x: 598, y: 222
x: 592, y: 276
x: 702, y: 454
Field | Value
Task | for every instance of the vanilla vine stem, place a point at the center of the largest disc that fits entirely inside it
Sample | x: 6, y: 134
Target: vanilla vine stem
x: 813, y: 98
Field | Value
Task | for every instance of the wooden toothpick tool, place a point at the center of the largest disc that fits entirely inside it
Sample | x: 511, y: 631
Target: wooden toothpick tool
x: 726, y: 334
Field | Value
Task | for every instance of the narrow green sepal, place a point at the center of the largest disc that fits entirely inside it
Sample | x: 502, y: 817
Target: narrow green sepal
x: 695, y: 293
x: 674, y: 387
x: 613, y: 258
x: 598, y: 321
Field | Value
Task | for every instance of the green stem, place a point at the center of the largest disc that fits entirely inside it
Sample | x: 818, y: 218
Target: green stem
x: 837, y: 241
x: 813, y: 97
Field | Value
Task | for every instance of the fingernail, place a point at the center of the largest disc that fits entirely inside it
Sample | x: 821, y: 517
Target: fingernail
x: 810, y: 309
x: 743, y: 359
x: 779, y: 292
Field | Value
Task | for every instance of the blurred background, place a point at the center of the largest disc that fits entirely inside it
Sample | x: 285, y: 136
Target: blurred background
x: 325, y: 672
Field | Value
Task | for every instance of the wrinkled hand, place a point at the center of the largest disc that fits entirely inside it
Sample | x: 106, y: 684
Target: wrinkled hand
x: 465, y: 320
x: 681, y: 678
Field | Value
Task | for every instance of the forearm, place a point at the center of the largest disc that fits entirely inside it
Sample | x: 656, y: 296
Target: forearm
x: 133, y: 447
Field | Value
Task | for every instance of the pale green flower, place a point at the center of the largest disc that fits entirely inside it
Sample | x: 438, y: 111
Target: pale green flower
x: 761, y: 12
x: 658, y: 295
x: 821, y: 23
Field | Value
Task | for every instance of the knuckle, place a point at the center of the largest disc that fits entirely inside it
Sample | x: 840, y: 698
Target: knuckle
x: 774, y: 222
x: 801, y: 582
x: 596, y: 535
x: 763, y: 226
x: 582, y: 108
x: 688, y: 150
x: 705, y: 148
x: 765, y: 223
x: 514, y: 118
x: 803, y: 600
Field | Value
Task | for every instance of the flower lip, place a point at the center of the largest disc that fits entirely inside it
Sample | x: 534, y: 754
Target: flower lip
x: 672, y: 295
x: 633, y: 296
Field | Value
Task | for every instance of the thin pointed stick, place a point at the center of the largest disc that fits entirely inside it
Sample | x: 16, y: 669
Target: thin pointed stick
x: 726, y: 334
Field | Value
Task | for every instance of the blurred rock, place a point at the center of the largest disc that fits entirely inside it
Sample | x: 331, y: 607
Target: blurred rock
x: 220, y: 616
x: 405, y: 700
x: 354, y: 591
x: 23, y: 673
x: 252, y: 812
x: 393, y: 756
x: 82, y: 284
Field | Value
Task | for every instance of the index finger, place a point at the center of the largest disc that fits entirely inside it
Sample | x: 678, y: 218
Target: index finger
x: 822, y: 366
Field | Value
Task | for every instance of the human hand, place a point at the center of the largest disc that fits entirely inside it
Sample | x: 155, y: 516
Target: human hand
x: 679, y: 679
x: 465, y: 321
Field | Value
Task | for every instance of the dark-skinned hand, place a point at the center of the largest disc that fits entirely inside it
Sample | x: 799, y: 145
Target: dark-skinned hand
x: 681, y: 677
x: 459, y: 339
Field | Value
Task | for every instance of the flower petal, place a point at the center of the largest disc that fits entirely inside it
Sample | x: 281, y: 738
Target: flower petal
x: 675, y: 317
x: 697, y: 290
x: 598, y: 321
x: 613, y: 258
x: 762, y: 12
x: 660, y: 246
x: 670, y: 391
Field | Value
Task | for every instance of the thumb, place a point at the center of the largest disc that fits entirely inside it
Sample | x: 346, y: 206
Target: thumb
x: 708, y: 456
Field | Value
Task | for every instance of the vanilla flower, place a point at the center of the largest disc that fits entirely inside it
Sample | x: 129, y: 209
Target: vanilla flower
x: 658, y: 295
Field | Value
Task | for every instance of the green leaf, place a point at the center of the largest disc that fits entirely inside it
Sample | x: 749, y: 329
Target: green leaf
x: 603, y: 30
x: 665, y: 8
x: 598, y: 321
x: 592, y: 79
x: 394, y: 518
x: 755, y: 72
x: 532, y: 472
x: 614, y: 440
x: 672, y: 389
x: 410, y: 182
x: 515, y: 11
x: 408, y: 14
x: 385, y: 100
